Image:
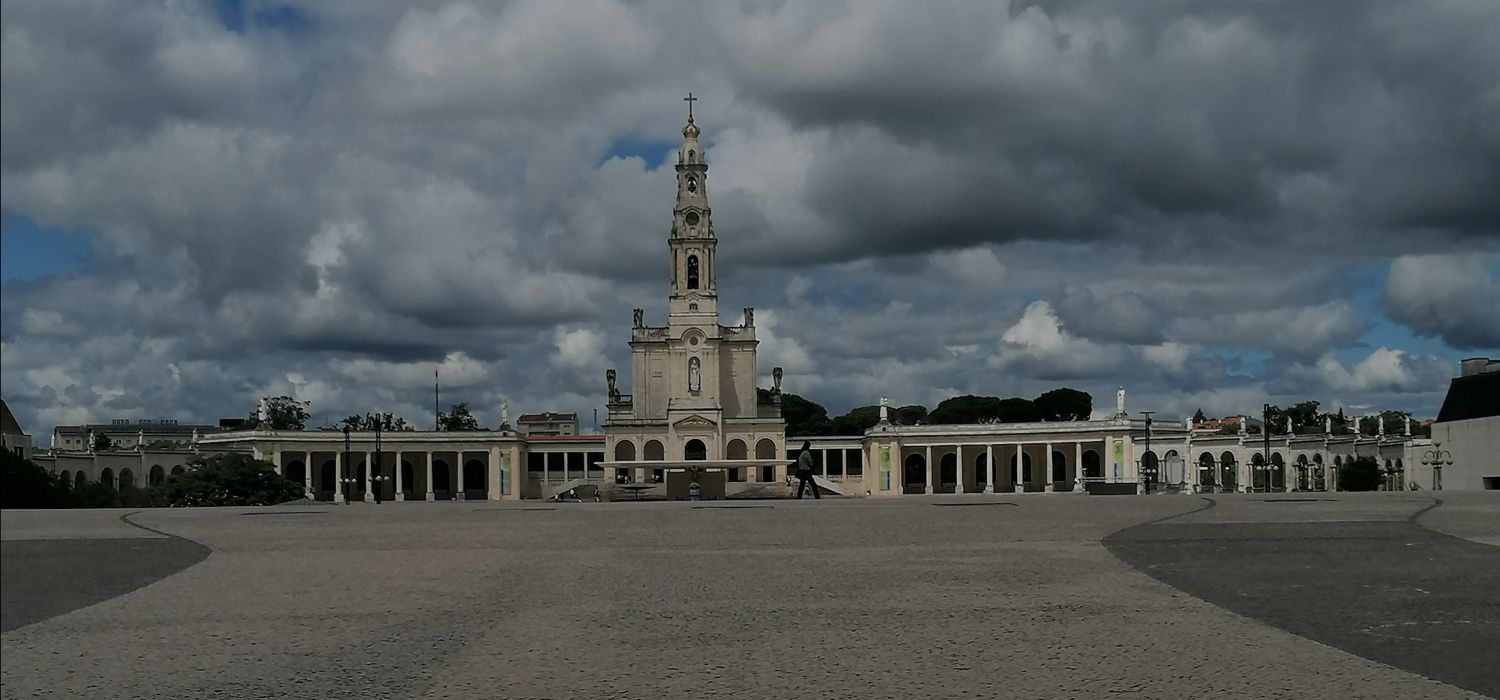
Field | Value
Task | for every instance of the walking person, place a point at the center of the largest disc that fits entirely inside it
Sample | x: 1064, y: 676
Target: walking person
x: 804, y: 471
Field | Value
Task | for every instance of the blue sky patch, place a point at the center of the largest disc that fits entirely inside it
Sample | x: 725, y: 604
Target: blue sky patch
x: 29, y: 251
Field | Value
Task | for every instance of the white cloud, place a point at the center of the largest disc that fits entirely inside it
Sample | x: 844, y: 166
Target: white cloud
x: 1040, y: 347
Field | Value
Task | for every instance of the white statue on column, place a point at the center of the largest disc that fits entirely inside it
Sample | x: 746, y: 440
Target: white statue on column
x: 262, y: 415
x: 1244, y: 425
x: 1327, y: 425
x: 140, y: 438
x: 1407, y: 430
x: 195, y: 436
x: 90, y: 446
x: 885, y: 405
x: 1380, y: 429
x: 504, y: 414
x: 1120, y: 402
x: 1289, y: 430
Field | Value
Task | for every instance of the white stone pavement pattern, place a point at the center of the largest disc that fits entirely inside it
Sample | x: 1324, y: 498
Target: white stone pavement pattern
x: 837, y: 598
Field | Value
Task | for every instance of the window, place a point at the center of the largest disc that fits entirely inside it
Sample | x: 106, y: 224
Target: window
x: 692, y: 272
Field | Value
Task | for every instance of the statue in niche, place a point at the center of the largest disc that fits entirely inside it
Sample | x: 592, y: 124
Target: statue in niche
x: 640, y: 318
x: 776, y: 380
x: 749, y: 316
x: 694, y: 381
x: 692, y: 184
x: 614, y: 392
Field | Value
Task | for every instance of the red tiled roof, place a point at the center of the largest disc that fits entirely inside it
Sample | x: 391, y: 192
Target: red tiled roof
x: 564, y: 438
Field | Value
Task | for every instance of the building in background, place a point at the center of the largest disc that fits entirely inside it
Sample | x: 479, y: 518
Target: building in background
x: 12, y: 437
x: 127, y: 433
x: 547, y: 423
x: 1467, y: 429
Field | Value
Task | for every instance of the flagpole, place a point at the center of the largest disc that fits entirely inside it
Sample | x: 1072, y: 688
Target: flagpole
x: 436, y: 426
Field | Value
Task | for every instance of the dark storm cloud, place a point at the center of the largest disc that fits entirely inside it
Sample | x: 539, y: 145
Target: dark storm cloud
x: 331, y: 208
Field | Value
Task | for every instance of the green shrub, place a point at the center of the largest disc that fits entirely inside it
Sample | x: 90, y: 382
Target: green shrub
x: 1360, y: 474
x: 234, y: 479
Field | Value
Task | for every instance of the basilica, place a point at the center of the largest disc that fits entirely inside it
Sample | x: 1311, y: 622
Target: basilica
x: 695, y: 425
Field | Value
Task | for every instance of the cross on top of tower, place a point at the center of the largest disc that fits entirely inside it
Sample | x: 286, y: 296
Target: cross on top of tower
x: 690, y: 100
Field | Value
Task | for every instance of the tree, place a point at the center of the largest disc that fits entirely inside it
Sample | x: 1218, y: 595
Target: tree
x: 1199, y: 417
x: 282, y: 413
x: 1064, y: 404
x: 1360, y: 474
x: 856, y: 421
x: 458, y: 419
x: 25, y: 484
x: 230, y: 479
x: 1016, y: 410
x: 103, y: 442
x: 384, y: 421
x: 959, y: 410
x: 1304, y: 415
x: 804, y: 417
x: 910, y: 415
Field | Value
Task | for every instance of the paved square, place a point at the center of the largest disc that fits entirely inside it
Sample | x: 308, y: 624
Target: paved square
x: 1016, y: 596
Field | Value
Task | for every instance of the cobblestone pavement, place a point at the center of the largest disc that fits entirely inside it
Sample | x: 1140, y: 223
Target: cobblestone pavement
x: 838, y: 598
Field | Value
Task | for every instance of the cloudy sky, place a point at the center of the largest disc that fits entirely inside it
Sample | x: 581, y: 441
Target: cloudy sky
x: 1210, y: 203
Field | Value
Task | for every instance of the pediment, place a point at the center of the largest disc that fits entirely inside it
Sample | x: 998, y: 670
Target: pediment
x: 694, y: 422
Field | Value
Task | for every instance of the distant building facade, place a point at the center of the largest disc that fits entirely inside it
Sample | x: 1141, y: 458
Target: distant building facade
x: 128, y: 432
x: 547, y: 423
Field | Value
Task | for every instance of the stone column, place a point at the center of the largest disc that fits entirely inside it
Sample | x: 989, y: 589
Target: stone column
x: 338, y: 478
x: 823, y: 455
x: 928, y: 469
x: 430, y: 495
x: 494, y: 490
x: 546, y: 469
x: 1015, y: 470
x: 458, y: 466
x: 1047, y: 478
x: 307, y: 472
x: 275, y: 458
x: 400, y: 482
x: 989, y: 463
x: 1078, y: 467
x: 369, y: 472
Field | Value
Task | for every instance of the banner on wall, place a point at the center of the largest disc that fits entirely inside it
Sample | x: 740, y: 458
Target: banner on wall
x: 505, y: 473
x: 885, y: 468
x: 1119, y: 460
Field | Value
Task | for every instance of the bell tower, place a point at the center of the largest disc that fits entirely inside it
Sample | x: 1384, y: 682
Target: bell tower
x: 695, y: 292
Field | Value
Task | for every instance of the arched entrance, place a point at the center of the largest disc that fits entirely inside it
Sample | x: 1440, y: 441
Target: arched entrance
x: 79, y: 480
x: 295, y: 471
x: 328, y: 476
x: 947, y: 481
x: 408, y: 480
x: 655, y: 452
x: 1173, y: 469
x: 1059, y: 467
x: 1150, y: 468
x: 1229, y: 471
x: 981, y: 471
x: 127, y: 479
x: 765, y: 453
x: 107, y: 477
x: 695, y: 451
x: 442, y: 480
x: 1092, y: 468
x: 177, y: 470
x: 66, y: 478
x: 1206, y: 476
x: 1277, y: 473
x: 476, y: 480
x: 914, y: 474
x: 624, y: 452
x: 156, y: 476
x: 736, y: 449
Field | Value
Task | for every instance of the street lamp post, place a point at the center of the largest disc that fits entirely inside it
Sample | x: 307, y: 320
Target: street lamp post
x: 347, y: 477
x: 377, y: 477
x: 1437, y: 458
x: 1265, y: 432
x: 1145, y: 476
